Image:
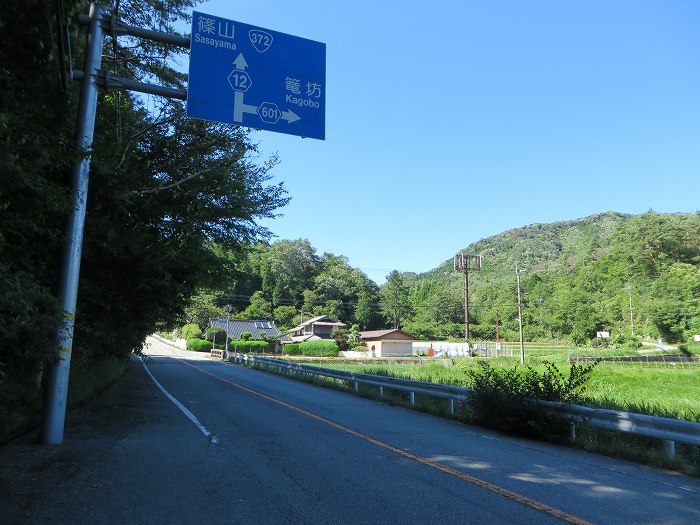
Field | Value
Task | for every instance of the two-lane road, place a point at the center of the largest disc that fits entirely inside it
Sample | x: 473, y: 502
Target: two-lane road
x: 245, y: 446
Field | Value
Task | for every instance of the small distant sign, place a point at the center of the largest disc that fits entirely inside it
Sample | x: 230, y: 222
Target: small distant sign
x: 256, y: 77
x: 602, y: 335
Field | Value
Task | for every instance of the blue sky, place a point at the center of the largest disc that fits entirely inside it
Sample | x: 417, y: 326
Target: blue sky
x: 451, y: 121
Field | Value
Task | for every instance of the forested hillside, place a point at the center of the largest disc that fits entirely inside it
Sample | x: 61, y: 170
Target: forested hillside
x: 578, y: 278
x: 632, y: 276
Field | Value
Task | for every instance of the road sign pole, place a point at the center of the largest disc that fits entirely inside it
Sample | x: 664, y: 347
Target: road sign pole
x: 56, y: 386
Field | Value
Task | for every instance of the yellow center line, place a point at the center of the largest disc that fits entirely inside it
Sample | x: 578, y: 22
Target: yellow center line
x: 513, y: 496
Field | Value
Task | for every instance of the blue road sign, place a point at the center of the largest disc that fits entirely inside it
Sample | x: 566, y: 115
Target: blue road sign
x: 254, y: 77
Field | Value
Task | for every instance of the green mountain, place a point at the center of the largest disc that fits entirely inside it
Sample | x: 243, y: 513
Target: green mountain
x: 578, y: 277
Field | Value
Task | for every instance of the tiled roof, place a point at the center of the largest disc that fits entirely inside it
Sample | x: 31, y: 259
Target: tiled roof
x: 382, y: 334
x: 253, y: 326
x: 322, y: 320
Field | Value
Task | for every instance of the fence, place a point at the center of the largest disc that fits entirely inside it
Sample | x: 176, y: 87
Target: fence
x: 649, y: 360
x: 667, y: 429
x: 491, y: 349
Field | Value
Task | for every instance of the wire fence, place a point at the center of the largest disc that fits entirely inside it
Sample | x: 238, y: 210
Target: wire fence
x: 650, y: 360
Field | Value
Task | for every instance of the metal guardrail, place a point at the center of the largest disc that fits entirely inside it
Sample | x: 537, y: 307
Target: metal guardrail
x: 667, y: 429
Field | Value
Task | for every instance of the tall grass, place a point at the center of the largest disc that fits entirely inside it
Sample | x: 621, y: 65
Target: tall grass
x: 664, y: 392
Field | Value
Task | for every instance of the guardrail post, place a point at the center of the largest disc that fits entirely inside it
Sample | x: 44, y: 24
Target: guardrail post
x: 357, y: 386
x: 381, y: 391
x: 670, y: 448
x: 413, y: 398
x: 452, y: 407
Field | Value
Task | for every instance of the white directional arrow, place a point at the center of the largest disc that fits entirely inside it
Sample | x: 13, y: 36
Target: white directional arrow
x: 240, y: 107
x: 290, y: 116
x: 240, y: 62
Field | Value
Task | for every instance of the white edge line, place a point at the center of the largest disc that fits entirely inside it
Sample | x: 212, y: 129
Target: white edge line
x: 184, y: 409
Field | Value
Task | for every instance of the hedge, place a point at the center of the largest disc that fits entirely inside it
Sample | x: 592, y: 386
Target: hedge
x: 319, y: 348
x: 199, y: 345
x: 215, y: 334
x: 248, y: 347
x: 292, y: 349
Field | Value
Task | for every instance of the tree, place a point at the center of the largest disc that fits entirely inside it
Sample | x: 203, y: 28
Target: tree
x: 341, y: 338
x: 339, y: 286
x: 163, y: 190
x: 288, y: 270
x: 677, y: 304
x: 366, y: 311
x: 201, y: 307
x: 394, y: 299
x: 286, y: 316
x: 259, y: 308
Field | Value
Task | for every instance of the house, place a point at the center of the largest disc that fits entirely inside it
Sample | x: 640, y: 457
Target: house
x: 256, y: 328
x: 317, y: 328
x: 386, y: 343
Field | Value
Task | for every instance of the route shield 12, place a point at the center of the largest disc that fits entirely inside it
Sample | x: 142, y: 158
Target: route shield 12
x: 255, y: 77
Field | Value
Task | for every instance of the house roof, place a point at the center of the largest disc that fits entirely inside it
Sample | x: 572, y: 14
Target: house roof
x: 322, y: 320
x: 301, y: 338
x: 253, y: 326
x: 373, y: 335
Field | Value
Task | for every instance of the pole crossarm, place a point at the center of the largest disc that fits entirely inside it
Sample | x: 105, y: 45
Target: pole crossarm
x: 111, y: 82
x: 115, y: 27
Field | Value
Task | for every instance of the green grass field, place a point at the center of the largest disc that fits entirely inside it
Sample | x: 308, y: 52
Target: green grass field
x: 666, y: 390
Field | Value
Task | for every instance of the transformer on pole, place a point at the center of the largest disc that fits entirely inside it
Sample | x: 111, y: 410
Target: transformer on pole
x: 465, y: 263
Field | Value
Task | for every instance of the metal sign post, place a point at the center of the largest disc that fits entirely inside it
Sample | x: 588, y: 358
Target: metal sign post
x: 288, y: 91
x: 56, y: 387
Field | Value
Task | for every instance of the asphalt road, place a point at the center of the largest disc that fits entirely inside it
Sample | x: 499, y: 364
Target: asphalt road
x: 220, y: 443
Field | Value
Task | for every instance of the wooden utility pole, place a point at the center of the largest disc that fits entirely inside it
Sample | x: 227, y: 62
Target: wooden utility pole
x: 464, y: 263
x: 520, y: 315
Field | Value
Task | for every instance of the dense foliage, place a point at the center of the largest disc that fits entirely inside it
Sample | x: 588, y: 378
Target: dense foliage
x: 631, y: 276
x: 199, y: 345
x: 319, y: 348
x: 168, y: 195
x: 287, y: 281
x: 503, y: 398
x: 249, y: 347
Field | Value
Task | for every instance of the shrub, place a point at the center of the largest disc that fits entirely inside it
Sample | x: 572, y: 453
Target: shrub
x: 632, y: 343
x: 199, y: 345
x: 190, y: 331
x: 504, y: 399
x: 578, y: 338
x: 249, y: 347
x: 342, y: 339
x: 215, y: 334
x: 319, y: 348
x: 598, y: 342
x: 246, y: 336
x: 292, y: 349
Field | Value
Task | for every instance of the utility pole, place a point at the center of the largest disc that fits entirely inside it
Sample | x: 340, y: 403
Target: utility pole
x: 629, y: 289
x: 464, y: 263
x: 498, y: 341
x: 228, y: 309
x: 520, y: 315
x: 99, y: 21
x: 56, y: 386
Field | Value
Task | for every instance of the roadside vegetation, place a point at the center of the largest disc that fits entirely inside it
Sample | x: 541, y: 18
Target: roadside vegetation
x: 503, y: 402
